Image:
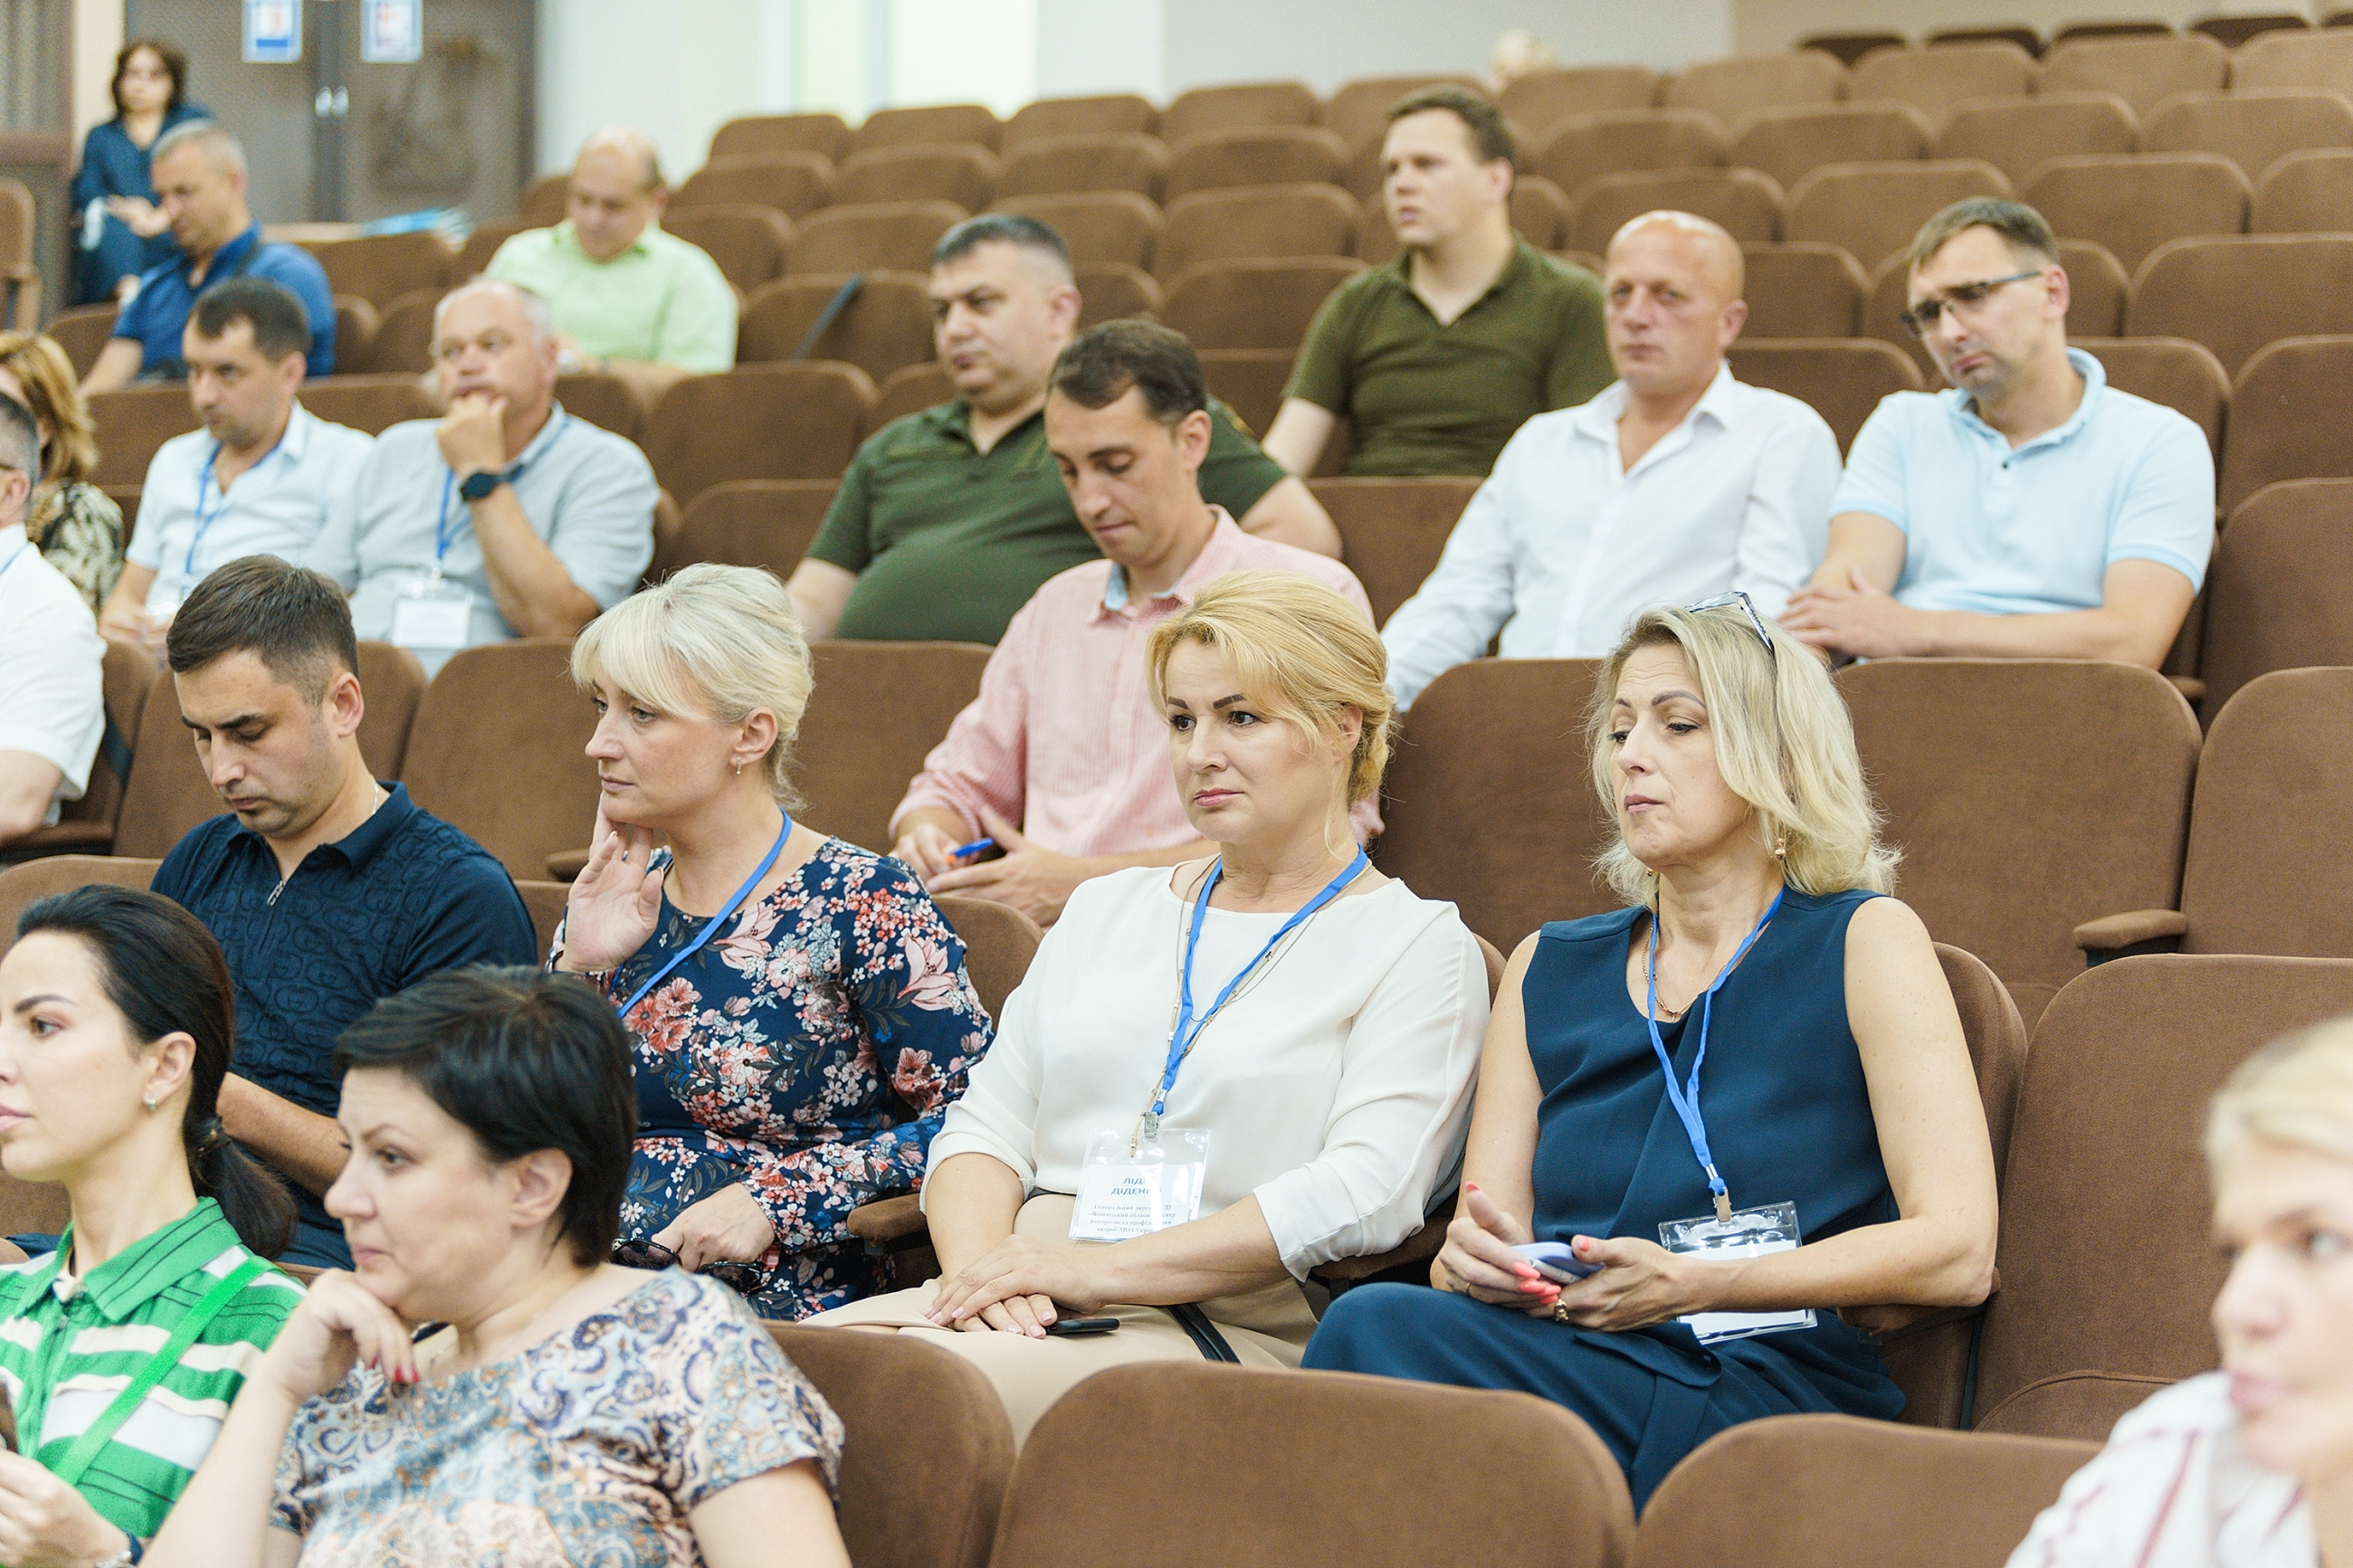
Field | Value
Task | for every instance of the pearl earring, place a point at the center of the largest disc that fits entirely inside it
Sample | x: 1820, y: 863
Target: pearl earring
x: 151, y: 1102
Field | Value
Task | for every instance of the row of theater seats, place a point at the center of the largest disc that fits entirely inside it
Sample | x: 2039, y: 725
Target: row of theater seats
x: 2230, y: 31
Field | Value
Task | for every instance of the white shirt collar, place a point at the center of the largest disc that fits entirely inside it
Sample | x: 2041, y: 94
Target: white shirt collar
x: 1599, y: 418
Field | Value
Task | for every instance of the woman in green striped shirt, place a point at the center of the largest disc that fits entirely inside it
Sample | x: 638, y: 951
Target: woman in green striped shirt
x: 122, y: 1350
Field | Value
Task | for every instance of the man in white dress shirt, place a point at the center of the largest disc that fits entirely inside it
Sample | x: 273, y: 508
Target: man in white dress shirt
x: 52, y: 693
x: 1677, y: 483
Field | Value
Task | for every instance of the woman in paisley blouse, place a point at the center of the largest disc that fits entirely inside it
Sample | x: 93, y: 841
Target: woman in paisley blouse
x: 798, y: 1008
x: 76, y: 526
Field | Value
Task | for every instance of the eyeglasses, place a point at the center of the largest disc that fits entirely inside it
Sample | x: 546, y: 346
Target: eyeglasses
x: 1922, y: 318
x: 1726, y: 601
x: 743, y: 1278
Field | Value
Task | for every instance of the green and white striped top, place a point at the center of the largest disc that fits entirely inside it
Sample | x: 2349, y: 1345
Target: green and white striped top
x: 71, y: 1348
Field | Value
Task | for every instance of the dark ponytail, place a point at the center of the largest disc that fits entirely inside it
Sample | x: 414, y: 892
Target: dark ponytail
x: 165, y: 976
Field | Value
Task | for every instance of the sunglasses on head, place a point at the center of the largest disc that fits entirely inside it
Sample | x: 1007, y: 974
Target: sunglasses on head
x: 743, y: 1278
x: 1726, y: 602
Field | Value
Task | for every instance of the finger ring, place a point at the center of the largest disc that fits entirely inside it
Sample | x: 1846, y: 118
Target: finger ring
x: 1560, y: 1312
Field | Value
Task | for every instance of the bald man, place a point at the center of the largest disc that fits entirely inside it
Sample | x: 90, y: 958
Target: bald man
x: 626, y: 297
x: 1675, y: 484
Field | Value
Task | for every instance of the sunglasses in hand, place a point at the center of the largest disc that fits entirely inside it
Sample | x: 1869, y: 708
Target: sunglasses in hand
x: 743, y: 1278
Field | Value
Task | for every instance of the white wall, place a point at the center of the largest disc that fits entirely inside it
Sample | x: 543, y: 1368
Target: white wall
x: 674, y: 71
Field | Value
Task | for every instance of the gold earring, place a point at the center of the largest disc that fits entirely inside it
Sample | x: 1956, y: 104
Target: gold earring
x: 1780, y: 846
x: 739, y: 770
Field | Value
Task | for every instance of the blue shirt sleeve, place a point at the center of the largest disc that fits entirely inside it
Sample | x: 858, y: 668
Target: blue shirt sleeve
x: 2166, y: 514
x: 1874, y: 480
x: 300, y: 272
x: 478, y: 918
x: 130, y: 320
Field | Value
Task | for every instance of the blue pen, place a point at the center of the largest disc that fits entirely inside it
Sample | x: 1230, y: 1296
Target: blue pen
x: 975, y: 847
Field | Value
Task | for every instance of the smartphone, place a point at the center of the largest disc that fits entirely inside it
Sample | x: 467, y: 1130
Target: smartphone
x: 1556, y: 1261
x: 7, y: 1422
x: 1079, y: 1328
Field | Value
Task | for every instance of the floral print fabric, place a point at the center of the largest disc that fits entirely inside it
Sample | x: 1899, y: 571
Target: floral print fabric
x: 79, y: 531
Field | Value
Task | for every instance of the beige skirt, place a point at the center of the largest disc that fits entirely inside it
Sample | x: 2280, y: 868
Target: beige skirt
x: 1267, y: 1328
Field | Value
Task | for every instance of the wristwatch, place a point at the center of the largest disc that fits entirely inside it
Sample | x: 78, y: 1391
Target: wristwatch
x: 478, y: 485
x: 132, y: 1553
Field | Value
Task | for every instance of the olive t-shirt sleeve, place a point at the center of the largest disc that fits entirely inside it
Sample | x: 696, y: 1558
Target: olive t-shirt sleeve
x: 846, y: 537
x: 1236, y: 474
x: 1324, y: 369
x: 1581, y: 354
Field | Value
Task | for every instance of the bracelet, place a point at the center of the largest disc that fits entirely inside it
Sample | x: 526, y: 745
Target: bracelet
x: 132, y: 1553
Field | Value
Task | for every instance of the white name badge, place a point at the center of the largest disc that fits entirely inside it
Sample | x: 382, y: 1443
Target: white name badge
x: 1132, y: 1185
x: 1750, y: 1233
x: 432, y: 616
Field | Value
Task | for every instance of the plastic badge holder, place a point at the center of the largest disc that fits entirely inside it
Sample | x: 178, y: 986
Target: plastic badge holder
x: 1556, y: 1261
x: 1750, y: 1233
x: 1133, y: 1185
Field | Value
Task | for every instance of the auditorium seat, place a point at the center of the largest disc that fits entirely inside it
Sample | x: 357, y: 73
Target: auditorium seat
x: 2017, y: 135
x: 751, y: 244
x: 371, y: 403
x: 2026, y: 38
x: 133, y: 422
x: 2142, y: 72
x: 1237, y: 104
x: 886, y: 326
x: 2280, y: 593
x: 497, y: 751
x: 1254, y: 304
x: 756, y: 422
x: 543, y: 200
x: 1242, y: 1467
x: 1584, y: 147
x: 2321, y: 58
x: 1745, y: 202
x: 925, y: 124
x: 1843, y: 379
x: 546, y: 903
x: 1254, y: 155
x: 2286, y: 421
x: 1103, y: 161
x: 1872, y: 210
x: 1792, y: 1492
x: 2134, y: 203
x: 2235, y: 295
x: 1256, y: 221
x: 795, y: 183
x: 2233, y: 32
x: 355, y: 326
x: 87, y: 826
x: 2304, y: 192
x: 1250, y: 382
x: 1936, y: 81
x: 1358, y: 111
x: 1791, y: 143
x: 1743, y: 84
x: 897, y: 237
x: 1801, y: 290
x: 2107, y: 1273
x: 956, y: 171
x: 1391, y: 531
x: 909, y: 389
x: 1110, y: 292
x: 2182, y: 375
x: 2098, y: 289
x: 380, y: 267
x: 878, y: 709
x: 1539, y: 216
x: 748, y: 522
x: 474, y: 256
x: 1983, y: 791
x: 1849, y: 47
x: 1541, y: 100
x: 604, y: 400
x: 766, y: 135
x: 1100, y: 228
x: 1100, y: 114
x: 1000, y: 942
x: 2252, y: 128
x: 21, y: 887
x: 83, y: 335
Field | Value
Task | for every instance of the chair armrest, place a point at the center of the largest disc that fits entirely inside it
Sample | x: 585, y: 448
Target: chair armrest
x: 2111, y: 935
x: 60, y: 838
x: 890, y: 1219
x: 1418, y: 1248
x: 2189, y: 686
x: 1894, y: 1322
x: 565, y: 865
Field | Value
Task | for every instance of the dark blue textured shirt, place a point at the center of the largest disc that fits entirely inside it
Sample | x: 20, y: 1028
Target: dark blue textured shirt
x: 158, y: 313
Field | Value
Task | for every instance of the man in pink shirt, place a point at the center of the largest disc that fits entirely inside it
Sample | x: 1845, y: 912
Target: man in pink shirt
x: 1062, y: 760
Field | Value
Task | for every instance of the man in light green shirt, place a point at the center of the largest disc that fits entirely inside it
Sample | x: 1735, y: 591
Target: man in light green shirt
x: 623, y: 291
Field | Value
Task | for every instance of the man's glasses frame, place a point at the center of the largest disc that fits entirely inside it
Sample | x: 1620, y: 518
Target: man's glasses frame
x: 1747, y: 608
x: 1921, y: 319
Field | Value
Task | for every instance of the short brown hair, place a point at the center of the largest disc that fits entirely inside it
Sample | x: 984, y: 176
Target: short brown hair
x: 1491, y: 133
x: 42, y: 369
x: 2021, y: 226
x: 176, y: 66
x: 1105, y: 360
x: 296, y: 621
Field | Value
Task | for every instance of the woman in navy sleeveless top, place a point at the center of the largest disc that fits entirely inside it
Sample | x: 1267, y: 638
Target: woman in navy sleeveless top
x: 1832, y: 1075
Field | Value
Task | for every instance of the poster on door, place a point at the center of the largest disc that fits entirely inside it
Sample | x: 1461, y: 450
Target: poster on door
x: 392, y: 32
x: 273, y: 32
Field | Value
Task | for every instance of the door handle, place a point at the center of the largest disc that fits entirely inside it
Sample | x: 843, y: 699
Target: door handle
x: 324, y: 105
x: 343, y: 103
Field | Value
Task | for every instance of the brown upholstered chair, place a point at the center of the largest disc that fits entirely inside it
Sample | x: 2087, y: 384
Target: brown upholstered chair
x: 2026, y: 38
x: 1843, y: 379
x: 2134, y: 203
x: 2304, y: 193
x: 132, y: 423
x: 371, y: 403
x: 609, y: 402
x: 2322, y: 59
x: 20, y: 281
x: 2233, y: 32
x: 2175, y: 372
x: 2280, y: 592
x: 1100, y: 114
x: 1346, y: 1468
x: 1743, y: 84
x: 757, y: 422
x: 543, y: 199
x: 925, y: 125
x: 1872, y: 210
x: 751, y: 244
x: 21, y: 887
x: 1794, y: 1490
x: 794, y: 183
x: 1254, y: 155
x: 1543, y: 98
x: 878, y: 711
x: 1106, y: 160
x: 1358, y: 111
x: 1258, y: 304
x: 1936, y: 81
x: 1109, y: 293
x: 1100, y: 228
x: 2252, y: 128
x: 514, y: 701
x: 2019, y: 134
x: 404, y: 335
x: 83, y: 335
x: 355, y: 326
x: 1791, y: 143
x: 87, y: 826
x: 1849, y: 47
x: 474, y: 256
x: 1806, y: 290
x: 1250, y: 382
x: 1999, y: 856
x: 2098, y: 289
x: 1584, y: 147
x: 926, y: 1450
x: 885, y: 327
x: 546, y: 903
x: 1256, y: 221
x: 2285, y: 426
x: 1237, y: 103
x: 768, y: 135
x: 910, y: 389
x: 380, y: 267
x: 2144, y: 72
x: 896, y: 236
x: 957, y: 172
x: 1391, y: 531
x: 1748, y: 204
x: 750, y: 522
x: 2237, y: 294
x: 999, y: 941
x: 1539, y: 216
x: 2105, y: 1278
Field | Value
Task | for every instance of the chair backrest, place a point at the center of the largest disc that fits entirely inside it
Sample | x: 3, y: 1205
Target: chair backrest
x: 757, y: 422
x: 541, y: 202
x: 751, y: 244
x: 1102, y: 161
x: 927, y: 1451
x: 601, y: 398
x: 1250, y: 382
x: 1850, y: 47
x: 1109, y: 292
x: 2142, y: 72
x: 1807, y: 290
x: 371, y: 403
x: 2095, y: 306
x: 999, y: 941
x: 380, y: 267
x: 2017, y: 134
x: 2322, y: 59
x: 1539, y: 216
x: 83, y: 335
x: 878, y: 709
x: 794, y: 183
x: 2302, y: 193
x: 886, y: 327
x: 1743, y: 84
x: 2274, y: 820
x: 2252, y: 128
x: 909, y: 390
x: 1362, y: 1460
x: 2280, y: 593
x: 1237, y: 103
x: 28, y: 882
x: 2026, y: 38
x: 1254, y: 155
x: 2133, y: 28
x: 481, y: 245
x: 1999, y: 856
x: 1746, y: 204
x: 132, y: 424
x: 1256, y: 221
x: 546, y: 901
x: 1101, y: 228
x: 1358, y: 111
x: 766, y: 135
x: 2105, y: 1277
x: 958, y: 171
x: 2238, y: 294
x: 1843, y: 379
x: 356, y: 327
x: 1873, y: 209
x: 2133, y: 203
x: 2280, y: 430
x: 2182, y: 375
x: 125, y: 674
x: 1796, y: 1490
x: 1936, y: 81
x: 514, y: 701
x: 1263, y: 304
x: 934, y: 122
x: 1100, y: 114
x: 1584, y: 147
x: 749, y: 522
x: 1541, y: 100
x: 1489, y: 800
x: 404, y: 335
x: 1791, y: 143
x: 1392, y: 530
x: 896, y: 236
x: 2233, y: 32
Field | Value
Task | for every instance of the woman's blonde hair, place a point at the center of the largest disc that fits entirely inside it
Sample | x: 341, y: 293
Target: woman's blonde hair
x: 718, y: 641
x: 42, y: 369
x: 2297, y: 1090
x: 1784, y: 743
x: 1298, y: 650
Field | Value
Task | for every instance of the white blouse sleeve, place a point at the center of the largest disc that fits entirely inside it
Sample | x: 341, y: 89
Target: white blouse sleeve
x: 997, y: 1115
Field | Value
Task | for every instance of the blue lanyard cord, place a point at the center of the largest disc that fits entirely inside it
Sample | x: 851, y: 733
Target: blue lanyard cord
x: 1686, y: 1101
x: 1182, y: 1037
x: 711, y: 929
x: 204, y: 520
x: 446, y: 528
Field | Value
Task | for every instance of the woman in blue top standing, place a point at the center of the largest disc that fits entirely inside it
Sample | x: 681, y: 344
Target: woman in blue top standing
x: 122, y: 232
x: 1735, y: 1107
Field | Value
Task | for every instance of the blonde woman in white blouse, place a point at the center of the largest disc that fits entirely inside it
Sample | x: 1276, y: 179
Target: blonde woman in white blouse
x: 2250, y: 1467
x: 1321, y: 1076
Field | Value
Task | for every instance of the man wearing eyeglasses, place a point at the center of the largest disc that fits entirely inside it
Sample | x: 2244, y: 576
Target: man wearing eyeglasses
x: 2031, y: 510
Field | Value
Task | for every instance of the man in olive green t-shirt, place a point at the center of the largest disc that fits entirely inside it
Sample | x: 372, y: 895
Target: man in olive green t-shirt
x: 949, y: 519
x: 1439, y: 357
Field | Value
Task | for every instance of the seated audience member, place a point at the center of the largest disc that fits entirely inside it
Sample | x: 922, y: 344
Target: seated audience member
x: 75, y: 525
x: 798, y: 1012
x: 564, y: 1410
x: 1675, y: 484
x: 119, y: 231
x: 623, y: 292
x: 1342, y: 1015
x: 1438, y: 357
x: 949, y: 519
x: 505, y: 517
x: 325, y: 888
x: 199, y: 171
x: 1841, y: 1110
x: 51, y: 659
x: 121, y: 1350
x: 1056, y: 760
x: 2248, y: 1466
x: 259, y: 479
x: 2030, y: 510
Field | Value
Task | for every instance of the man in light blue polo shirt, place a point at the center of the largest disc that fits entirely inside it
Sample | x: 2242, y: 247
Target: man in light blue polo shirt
x: 508, y: 517
x: 2031, y: 510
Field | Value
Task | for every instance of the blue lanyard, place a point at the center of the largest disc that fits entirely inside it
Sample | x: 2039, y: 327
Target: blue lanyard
x: 446, y: 528
x: 1686, y: 1101
x: 708, y: 931
x: 204, y: 520
x: 1182, y: 1037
